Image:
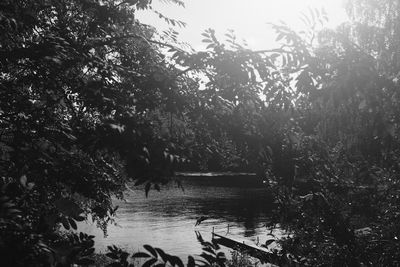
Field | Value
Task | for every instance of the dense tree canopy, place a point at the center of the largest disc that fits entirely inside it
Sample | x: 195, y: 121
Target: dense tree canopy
x: 80, y: 84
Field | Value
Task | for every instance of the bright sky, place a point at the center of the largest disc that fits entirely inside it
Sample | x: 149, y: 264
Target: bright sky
x: 247, y: 18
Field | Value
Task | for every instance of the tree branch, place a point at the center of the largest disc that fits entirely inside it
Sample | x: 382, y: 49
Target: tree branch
x: 148, y: 41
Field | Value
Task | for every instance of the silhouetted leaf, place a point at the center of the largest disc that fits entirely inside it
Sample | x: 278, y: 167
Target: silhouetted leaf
x: 151, y: 250
x: 162, y: 254
x: 209, y: 250
x: 88, y: 252
x: 191, y: 262
x: 65, y: 223
x: 79, y: 218
x: 149, y: 263
x: 210, y: 259
x: 72, y: 223
x: 112, y: 255
x: 269, y: 242
x: 140, y: 255
x: 176, y: 261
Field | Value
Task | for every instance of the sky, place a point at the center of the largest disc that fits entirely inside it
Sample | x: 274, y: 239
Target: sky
x: 248, y: 18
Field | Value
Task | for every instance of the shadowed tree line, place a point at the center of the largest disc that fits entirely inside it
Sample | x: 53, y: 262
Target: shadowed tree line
x: 92, y: 99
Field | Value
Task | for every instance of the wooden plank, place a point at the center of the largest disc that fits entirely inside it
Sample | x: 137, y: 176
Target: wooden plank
x: 215, y: 174
x: 263, y: 254
x: 242, y: 243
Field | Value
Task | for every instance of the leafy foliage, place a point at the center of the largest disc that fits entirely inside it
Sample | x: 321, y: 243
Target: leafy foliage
x: 80, y: 81
x: 92, y: 99
x: 157, y: 257
x: 344, y: 150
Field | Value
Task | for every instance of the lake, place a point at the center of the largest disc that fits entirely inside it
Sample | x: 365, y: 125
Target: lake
x: 166, y: 219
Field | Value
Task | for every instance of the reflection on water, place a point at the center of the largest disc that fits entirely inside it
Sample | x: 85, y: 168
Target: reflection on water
x: 167, y: 219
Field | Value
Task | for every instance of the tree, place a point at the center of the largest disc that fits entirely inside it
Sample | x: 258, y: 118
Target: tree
x: 80, y: 84
x: 341, y: 205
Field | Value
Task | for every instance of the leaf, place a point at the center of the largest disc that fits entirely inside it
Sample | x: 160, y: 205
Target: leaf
x: 149, y: 263
x: 205, y: 263
x: 65, y: 223
x: 79, y: 218
x: 269, y: 242
x: 70, y: 136
x: 146, y: 151
x: 72, y: 223
x: 119, y: 128
x: 110, y: 248
x: 191, y: 262
x: 151, y: 250
x: 112, y: 255
x: 279, y: 37
x: 13, y: 211
x: 89, y: 251
x: 162, y: 254
x: 207, y: 257
x: 209, y: 250
x: 174, y: 260
x: 274, y: 56
x: 220, y: 255
x: 305, y: 19
x: 210, y: 46
x: 23, y: 180
x: 30, y: 185
x: 140, y: 255
x: 284, y: 61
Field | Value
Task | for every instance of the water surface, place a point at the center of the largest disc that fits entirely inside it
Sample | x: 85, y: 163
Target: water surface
x: 166, y: 219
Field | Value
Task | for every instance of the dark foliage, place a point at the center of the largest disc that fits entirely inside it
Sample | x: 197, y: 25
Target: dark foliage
x: 80, y: 81
x: 91, y: 99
